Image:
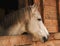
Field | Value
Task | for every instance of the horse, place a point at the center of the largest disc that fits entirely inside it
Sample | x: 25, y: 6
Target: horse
x: 27, y: 19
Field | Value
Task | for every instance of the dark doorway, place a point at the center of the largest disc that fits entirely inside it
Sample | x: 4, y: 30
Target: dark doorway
x: 9, y: 5
x: 30, y: 2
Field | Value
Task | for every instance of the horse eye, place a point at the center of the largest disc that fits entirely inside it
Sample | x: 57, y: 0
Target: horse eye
x: 39, y: 19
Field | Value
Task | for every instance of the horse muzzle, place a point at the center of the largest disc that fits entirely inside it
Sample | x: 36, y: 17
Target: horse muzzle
x: 45, y: 39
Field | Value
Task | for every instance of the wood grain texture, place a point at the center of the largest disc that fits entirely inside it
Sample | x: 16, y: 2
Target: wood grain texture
x: 27, y: 40
x: 50, y: 15
x: 59, y: 15
x: 59, y: 7
x: 15, y: 40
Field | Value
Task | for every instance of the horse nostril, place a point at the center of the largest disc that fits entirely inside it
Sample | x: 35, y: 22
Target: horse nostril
x: 45, y: 39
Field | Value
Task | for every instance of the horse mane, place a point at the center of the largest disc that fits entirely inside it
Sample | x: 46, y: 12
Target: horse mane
x: 13, y: 17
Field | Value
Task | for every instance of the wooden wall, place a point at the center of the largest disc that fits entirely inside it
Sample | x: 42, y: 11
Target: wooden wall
x: 59, y: 7
x: 50, y: 15
x: 59, y: 14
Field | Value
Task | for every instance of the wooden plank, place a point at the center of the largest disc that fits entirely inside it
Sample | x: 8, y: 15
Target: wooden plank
x: 53, y: 36
x: 50, y: 15
x: 50, y: 2
x: 59, y: 14
x: 59, y: 7
x: 27, y: 40
x: 48, y: 43
x: 14, y: 40
x: 57, y: 36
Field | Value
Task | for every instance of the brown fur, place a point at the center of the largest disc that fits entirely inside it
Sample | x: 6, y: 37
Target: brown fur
x: 20, y: 15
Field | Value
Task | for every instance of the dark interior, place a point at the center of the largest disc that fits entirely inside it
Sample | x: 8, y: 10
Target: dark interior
x: 9, y: 5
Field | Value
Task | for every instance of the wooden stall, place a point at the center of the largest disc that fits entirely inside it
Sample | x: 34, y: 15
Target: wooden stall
x: 59, y: 13
x: 50, y: 15
x: 50, y: 12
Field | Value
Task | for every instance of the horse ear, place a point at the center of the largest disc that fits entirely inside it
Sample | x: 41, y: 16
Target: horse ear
x: 32, y: 5
x: 35, y: 5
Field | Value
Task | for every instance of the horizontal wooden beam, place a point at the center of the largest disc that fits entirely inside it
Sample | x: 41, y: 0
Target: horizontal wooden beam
x: 27, y: 40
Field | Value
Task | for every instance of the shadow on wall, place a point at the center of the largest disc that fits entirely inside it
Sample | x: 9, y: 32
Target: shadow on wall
x: 58, y: 15
x: 9, y: 5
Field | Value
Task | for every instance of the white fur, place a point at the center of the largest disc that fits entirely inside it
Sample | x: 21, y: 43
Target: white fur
x: 36, y: 27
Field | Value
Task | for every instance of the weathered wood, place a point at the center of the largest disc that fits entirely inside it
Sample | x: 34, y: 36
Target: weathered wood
x: 14, y: 40
x: 53, y: 36
x: 48, y: 43
x: 27, y: 40
x: 59, y: 6
x: 50, y: 15
x: 50, y: 3
x: 59, y: 13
